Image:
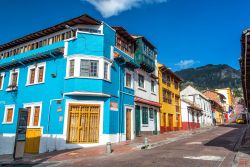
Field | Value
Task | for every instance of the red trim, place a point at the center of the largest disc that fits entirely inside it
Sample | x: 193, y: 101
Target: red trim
x: 190, y: 125
x: 152, y: 103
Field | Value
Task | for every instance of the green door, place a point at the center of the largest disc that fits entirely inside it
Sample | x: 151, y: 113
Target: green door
x: 155, y: 120
x: 137, y: 121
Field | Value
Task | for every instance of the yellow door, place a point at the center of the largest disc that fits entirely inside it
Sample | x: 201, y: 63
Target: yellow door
x: 32, y: 143
x: 83, y: 123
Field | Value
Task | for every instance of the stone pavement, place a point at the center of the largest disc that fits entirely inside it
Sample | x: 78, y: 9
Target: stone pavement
x: 242, y: 158
x: 118, y: 148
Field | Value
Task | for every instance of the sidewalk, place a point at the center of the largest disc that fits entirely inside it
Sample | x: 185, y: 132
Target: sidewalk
x: 242, y: 158
x: 118, y: 148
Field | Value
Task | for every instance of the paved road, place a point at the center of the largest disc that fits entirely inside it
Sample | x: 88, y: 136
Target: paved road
x: 212, y: 148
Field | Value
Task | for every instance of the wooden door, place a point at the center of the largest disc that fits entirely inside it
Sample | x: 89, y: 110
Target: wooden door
x: 83, y: 123
x: 170, y: 122
x: 128, y: 124
x: 32, y: 143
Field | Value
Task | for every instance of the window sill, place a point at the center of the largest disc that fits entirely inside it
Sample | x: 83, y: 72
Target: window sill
x: 10, y: 90
x: 35, y: 84
x: 128, y: 87
x: 107, y: 80
x: 143, y: 89
x: 7, y: 123
x: 153, y: 93
x: 83, y: 78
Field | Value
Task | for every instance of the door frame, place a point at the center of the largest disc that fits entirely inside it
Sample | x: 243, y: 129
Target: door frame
x: 132, y: 121
x: 84, y: 102
x: 139, y: 115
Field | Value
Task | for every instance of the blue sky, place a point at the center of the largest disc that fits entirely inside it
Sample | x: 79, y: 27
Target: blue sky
x: 187, y: 33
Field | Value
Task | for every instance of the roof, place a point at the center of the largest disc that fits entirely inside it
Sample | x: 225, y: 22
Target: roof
x: 123, y: 32
x: 153, y: 103
x: 145, y: 40
x: 214, y: 92
x: 192, y: 105
x: 163, y: 68
x: 83, y: 19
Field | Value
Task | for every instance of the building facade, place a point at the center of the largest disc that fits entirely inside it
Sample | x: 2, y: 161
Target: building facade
x: 72, y: 80
x: 202, y: 101
x: 227, y: 92
x: 217, y: 102
x: 147, y: 116
x: 191, y: 114
x: 169, y: 94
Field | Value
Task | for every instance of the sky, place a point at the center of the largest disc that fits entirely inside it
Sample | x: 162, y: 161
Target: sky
x: 187, y: 33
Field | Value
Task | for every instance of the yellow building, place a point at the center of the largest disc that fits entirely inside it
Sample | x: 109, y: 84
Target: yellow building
x: 169, y: 94
x: 227, y: 92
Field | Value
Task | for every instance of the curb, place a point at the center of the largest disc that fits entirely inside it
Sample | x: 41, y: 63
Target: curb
x: 170, y: 140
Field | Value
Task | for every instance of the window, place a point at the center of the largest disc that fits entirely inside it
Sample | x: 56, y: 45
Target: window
x: 1, y: 80
x: 144, y: 115
x: 152, y: 86
x: 151, y: 113
x: 140, y: 81
x: 9, y: 114
x: 106, y: 70
x: 36, y: 74
x: 128, y: 80
x: 167, y: 96
x: 13, y: 79
x: 71, y: 68
x: 176, y: 85
x: 89, y: 68
x: 34, y: 113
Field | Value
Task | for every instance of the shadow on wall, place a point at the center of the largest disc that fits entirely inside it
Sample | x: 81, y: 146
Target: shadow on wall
x: 228, y: 140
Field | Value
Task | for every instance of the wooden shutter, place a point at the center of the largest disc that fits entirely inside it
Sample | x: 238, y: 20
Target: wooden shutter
x: 32, y: 76
x: 36, y: 116
x: 9, y: 115
x: 28, y: 119
x: 40, y: 74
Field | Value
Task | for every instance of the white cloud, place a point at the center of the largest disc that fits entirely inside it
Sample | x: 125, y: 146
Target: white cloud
x: 110, y: 8
x: 186, y: 63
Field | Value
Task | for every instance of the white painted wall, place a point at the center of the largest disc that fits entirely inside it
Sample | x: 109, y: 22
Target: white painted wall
x: 197, y: 97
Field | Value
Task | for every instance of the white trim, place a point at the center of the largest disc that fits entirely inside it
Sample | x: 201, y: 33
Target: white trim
x: 78, y: 93
x: 65, y: 127
x: 36, y: 67
x: 2, y: 75
x: 10, y: 78
x: 132, y: 79
x: 33, y: 105
x: 100, y: 68
x: 5, y: 113
x: 132, y: 120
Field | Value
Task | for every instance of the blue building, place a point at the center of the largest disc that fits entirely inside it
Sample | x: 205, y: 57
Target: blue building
x: 71, y: 78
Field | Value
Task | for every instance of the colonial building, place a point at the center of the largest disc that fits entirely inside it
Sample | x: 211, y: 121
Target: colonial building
x: 202, y: 101
x: 217, y: 102
x: 76, y: 81
x: 191, y: 114
x: 146, y: 88
x: 227, y: 92
x: 169, y: 94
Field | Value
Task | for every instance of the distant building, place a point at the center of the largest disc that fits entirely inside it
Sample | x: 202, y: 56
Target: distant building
x: 202, y: 101
x: 191, y: 114
x: 227, y: 92
x: 217, y: 102
x: 169, y: 93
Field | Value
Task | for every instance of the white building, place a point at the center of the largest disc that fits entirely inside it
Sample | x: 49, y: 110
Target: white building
x: 202, y: 101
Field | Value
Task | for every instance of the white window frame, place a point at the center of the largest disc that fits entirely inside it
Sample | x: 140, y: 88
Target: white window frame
x: 108, y: 71
x: 36, y: 67
x: 143, y: 81
x: 153, y: 87
x: 100, y: 68
x: 2, y: 75
x: 132, y: 79
x: 5, y: 114
x: 33, y: 105
x: 10, y: 78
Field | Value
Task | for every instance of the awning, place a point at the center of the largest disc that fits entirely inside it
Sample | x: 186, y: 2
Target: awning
x: 152, y: 103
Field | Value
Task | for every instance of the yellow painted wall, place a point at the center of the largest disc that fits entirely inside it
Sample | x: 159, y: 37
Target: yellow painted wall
x: 218, y: 117
x: 166, y: 107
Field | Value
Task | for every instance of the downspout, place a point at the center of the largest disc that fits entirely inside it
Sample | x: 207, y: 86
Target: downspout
x: 246, y: 35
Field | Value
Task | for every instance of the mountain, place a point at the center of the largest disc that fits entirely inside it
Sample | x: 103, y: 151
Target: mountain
x: 211, y: 77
